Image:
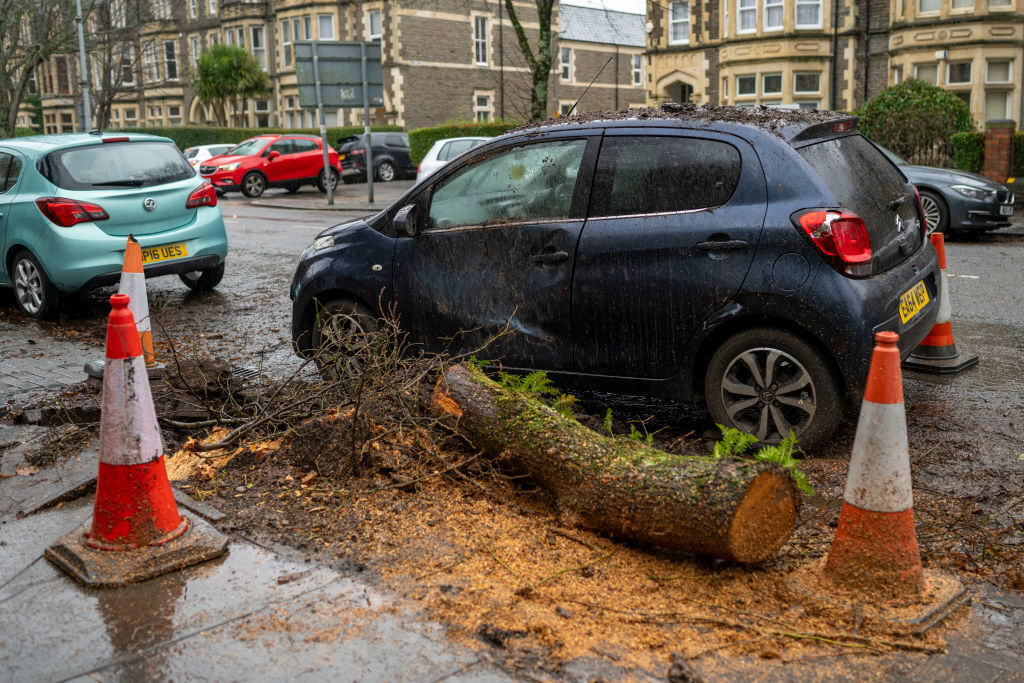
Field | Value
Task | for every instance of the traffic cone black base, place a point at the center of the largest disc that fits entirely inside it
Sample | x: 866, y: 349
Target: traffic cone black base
x: 104, y: 568
x: 942, y: 596
x: 941, y: 366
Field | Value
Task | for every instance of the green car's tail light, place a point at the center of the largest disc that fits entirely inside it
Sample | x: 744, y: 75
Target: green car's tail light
x: 204, y: 195
x: 67, y: 212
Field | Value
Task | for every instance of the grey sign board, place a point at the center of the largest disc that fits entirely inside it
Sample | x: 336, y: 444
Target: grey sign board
x: 341, y: 74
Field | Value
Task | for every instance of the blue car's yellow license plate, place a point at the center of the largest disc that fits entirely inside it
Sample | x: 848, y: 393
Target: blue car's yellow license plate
x: 912, y: 301
x: 164, y: 253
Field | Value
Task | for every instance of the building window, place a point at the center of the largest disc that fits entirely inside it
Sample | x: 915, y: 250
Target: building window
x: 897, y: 74
x: 746, y: 85
x: 118, y: 13
x: 997, y: 105
x: 958, y: 73
x: 63, y: 83
x: 162, y: 9
x: 746, y: 12
x: 482, y: 108
x: 929, y: 73
x: 564, y: 107
x: 1001, y: 4
x: 773, y: 15
x: 807, y: 104
x: 638, y: 70
x: 193, y: 8
x: 771, y: 84
x: 963, y: 4
x: 725, y: 89
x: 808, y: 13
x: 480, y: 40
x: 964, y: 95
x: 999, y: 72
x: 325, y: 26
x: 807, y: 83
x: 229, y: 37
x: 214, y: 39
x: 725, y: 18
x: 929, y: 5
x: 307, y: 27
x: 174, y: 112
x: 151, y: 65
x: 286, y: 43
x: 240, y: 36
x: 679, y: 23
x: 565, y: 63
x: 373, y: 27
x: 211, y: 7
x: 259, y: 47
x: 171, y: 60
x: 127, y: 66
x: 196, y: 50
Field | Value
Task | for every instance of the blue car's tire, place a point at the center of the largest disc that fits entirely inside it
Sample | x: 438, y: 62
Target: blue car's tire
x: 35, y: 294
x: 203, y: 280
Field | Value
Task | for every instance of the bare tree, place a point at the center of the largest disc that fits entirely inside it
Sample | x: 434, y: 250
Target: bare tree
x: 114, y: 51
x: 538, y: 60
x: 30, y: 32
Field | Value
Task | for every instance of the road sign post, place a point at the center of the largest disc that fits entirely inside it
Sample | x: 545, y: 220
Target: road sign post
x: 328, y: 171
x: 341, y: 74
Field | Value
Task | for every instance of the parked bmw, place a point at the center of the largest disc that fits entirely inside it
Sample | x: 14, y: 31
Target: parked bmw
x: 69, y: 202
x: 957, y: 201
x: 744, y: 257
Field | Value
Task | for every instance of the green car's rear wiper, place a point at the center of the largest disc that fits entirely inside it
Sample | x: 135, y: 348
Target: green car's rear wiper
x: 126, y: 183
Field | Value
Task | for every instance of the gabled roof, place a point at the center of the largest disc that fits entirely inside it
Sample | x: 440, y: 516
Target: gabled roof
x: 591, y: 25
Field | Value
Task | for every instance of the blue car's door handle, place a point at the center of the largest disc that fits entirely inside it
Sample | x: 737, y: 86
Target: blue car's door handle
x: 551, y: 257
x: 723, y: 245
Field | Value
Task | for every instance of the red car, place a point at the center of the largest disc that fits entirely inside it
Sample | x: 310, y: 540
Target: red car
x: 288, y: 161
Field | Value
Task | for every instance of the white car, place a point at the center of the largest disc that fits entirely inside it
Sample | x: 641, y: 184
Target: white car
x: 197, y: 155
x: 444, y: 151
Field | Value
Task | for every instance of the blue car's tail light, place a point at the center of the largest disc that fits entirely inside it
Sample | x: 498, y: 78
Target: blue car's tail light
x: 67, y: 212
x: 204, y: 195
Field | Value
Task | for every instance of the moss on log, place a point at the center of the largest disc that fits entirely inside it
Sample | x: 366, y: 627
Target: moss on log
x: 734, y: 509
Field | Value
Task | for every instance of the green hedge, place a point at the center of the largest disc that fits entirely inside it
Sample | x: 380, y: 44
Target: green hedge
x: 968, y: 151
x: 422, y: 139
x: 1018, y: 156
x: 23, y: 131
x: 190, y: 136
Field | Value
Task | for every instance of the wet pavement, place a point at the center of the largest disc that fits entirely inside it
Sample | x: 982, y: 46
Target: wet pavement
x: 265, y: 613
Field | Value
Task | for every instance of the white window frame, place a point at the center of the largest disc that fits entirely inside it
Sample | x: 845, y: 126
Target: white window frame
x: 917, y: 68
x: 565, y: 64
x: 817, y: 91
x: 814, y: 104
x: 481, y: 54
x: 773, y: 4
x: 193, y: 8
x: 807, y: 3
x: 307, y: 27
x: 949, y: 70
x: 370, y: 35
x: 229, y: 37
x: 745, y: 8
x: 921, y: 10
x: 683, y: 22
x: 764, y: 89
x: 170, y: 59
x: 286, y: 43
x: 487, y: 109
x: 151, y: 66
x: 746, y: 94
x: 565, y: 106
x: 725, y: 18
x: 988, y: 64
x: 260, y: 52
x: 134, y: 115
x: 965, y: 8
x: 320, y: 19
x: 1000, y: 5
x: 197, y: 49
x: 897, y: 74
x: 127, y: 52
x: 725, y: 89
x: 638, y: 70
x: 211, y: 7
x: 1007, y: 110
x: 118, y: 13
x: 240, y: 37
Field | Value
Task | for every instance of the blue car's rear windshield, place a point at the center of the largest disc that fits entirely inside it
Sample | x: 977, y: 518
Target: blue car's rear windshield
x: 118, y: 164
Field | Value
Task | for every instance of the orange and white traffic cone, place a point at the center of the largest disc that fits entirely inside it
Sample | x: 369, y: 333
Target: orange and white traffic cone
x: 873, y: 571
x: 937, y: 353
x: 135, y: 513
x: 875, y: 546
x: 133, y: 283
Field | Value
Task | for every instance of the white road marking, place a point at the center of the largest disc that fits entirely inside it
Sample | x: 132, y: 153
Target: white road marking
x: 969, y: 277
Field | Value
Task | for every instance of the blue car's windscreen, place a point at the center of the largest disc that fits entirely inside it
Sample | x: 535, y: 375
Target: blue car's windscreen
x: 118, y: 164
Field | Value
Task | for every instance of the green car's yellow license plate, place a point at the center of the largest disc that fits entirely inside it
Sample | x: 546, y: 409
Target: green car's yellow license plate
x: 912, y: 301
x: 164, y: 253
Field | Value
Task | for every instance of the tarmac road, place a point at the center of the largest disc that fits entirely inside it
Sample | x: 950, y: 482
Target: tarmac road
x: 966, y: 433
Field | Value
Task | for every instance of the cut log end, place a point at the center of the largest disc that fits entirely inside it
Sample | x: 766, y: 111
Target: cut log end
x: 764, y: 518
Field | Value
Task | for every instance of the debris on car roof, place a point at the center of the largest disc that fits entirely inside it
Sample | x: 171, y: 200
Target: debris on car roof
x: 769, y: 118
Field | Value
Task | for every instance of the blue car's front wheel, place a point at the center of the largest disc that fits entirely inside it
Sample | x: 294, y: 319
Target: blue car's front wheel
x: 35, y: 294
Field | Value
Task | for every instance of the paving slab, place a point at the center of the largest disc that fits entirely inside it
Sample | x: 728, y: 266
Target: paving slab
x: 249, y: 616
x: 32, y: 360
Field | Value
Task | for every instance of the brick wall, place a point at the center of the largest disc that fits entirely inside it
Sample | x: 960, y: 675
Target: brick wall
x: 998, y: 150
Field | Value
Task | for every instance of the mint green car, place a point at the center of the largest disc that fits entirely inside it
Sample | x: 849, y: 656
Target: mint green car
x: 68, y: 203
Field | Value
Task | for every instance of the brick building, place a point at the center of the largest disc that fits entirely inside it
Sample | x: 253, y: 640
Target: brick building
x: 443, y: 60
x: 835, y: 54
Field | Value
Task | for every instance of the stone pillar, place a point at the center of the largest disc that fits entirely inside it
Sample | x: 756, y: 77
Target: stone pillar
x: 998, y: 149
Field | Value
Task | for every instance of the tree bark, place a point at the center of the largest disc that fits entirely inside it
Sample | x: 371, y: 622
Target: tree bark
x: 734, y: 509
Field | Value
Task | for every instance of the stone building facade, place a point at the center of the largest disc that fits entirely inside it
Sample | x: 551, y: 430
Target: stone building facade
x: 835, y: 54
x: 443, y: 60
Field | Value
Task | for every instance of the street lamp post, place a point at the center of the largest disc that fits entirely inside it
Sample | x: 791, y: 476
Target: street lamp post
x: 86, y: 118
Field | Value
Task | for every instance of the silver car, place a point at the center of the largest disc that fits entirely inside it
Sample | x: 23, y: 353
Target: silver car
x: 444, y: 151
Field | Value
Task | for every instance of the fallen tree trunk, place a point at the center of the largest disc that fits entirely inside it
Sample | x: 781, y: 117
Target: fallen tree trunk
x: 731, y: 508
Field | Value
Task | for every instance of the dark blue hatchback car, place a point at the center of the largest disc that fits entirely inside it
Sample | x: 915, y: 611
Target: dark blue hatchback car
x: 746, y: 257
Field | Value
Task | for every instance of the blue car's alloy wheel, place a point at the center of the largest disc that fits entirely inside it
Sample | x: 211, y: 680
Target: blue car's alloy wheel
x: 32, y: 290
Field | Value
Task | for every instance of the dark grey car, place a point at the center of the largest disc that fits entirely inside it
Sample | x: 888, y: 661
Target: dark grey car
x: 955, y: 201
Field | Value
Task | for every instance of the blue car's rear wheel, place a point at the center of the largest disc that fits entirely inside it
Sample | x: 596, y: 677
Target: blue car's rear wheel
x: 203, y: 280
x: 35, y: 294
